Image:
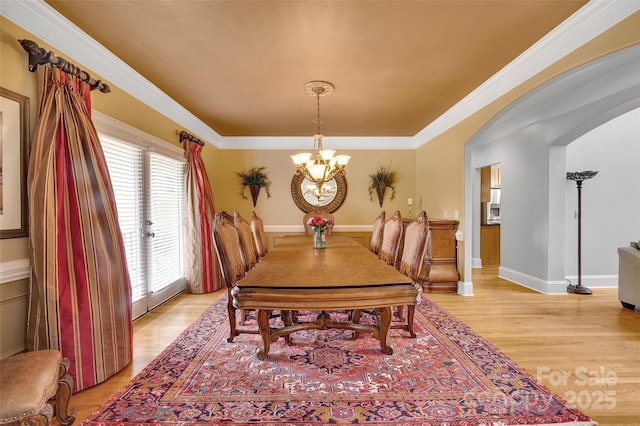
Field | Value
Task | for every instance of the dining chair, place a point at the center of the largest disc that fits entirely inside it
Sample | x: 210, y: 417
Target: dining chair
x: 376, y: 235
x: 416, y: 238
x: 248, y: 250
x: 391, y: 235
x: 247, y: 243
x: 257, y: 228
x: 227, y: 245
x: 325, y: 215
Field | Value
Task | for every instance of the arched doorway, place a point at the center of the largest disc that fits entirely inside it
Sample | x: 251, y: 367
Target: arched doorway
x: 529, y: 139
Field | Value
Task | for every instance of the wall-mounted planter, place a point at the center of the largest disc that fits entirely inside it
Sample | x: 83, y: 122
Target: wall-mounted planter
x: 380, y: 180
x: 255, y: 178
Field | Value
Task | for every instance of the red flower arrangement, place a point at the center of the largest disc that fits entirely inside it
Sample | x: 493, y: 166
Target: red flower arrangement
x: 319, y: 224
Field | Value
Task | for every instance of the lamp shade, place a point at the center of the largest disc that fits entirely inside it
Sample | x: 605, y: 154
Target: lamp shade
x: 342, y: 159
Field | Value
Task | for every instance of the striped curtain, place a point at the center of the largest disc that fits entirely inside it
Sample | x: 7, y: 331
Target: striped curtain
x: 203, y: 271
x: 80, y: 298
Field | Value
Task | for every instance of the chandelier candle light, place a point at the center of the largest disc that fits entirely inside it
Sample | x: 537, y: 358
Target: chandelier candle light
x: 321, y: 165
x: 319, y: 225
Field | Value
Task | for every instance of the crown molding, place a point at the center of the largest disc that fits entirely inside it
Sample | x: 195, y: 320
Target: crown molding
x: 584, y: 25
x: 47, y: 24
x: 298, y: 142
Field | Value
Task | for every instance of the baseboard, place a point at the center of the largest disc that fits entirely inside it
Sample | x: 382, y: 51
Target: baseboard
x: 465, y: 288
x: 476, y: 262
x: 534, y: 283
x: 595, y: 281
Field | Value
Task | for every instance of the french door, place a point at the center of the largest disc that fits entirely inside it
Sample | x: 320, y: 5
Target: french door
x: 150, y: 199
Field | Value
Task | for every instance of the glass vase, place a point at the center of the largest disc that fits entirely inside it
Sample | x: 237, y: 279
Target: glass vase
x: 319, y: 241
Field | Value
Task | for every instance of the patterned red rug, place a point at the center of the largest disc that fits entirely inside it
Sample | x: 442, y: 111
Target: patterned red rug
x: 448, y: 375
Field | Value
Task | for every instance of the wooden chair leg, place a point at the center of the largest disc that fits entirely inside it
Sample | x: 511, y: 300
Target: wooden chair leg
x: 231, y: 311
x: 411, y: 309
x: 63, y: 395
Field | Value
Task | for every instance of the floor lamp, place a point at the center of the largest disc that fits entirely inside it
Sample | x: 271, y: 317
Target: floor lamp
x: 579, y: 177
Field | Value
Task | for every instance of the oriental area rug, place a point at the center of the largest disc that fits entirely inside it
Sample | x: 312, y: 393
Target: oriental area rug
x: 447, y: 375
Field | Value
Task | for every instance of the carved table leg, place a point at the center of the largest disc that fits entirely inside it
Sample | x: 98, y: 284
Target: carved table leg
x: 385, y: 322
x: 265, y: 333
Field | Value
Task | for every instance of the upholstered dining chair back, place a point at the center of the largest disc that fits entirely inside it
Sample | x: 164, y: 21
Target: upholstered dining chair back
x: 227, y: 244
x: 325, y: 215
x: 376, y: 235
x: 415, y: 245
x: 259, y: 239
x: 247, y: 244
x: 391, y: 236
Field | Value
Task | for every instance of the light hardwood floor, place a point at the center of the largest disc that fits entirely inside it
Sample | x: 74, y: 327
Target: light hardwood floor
x: 585, y: 348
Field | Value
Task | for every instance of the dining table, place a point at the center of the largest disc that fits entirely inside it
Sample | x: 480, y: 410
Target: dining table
x: 342, y: 277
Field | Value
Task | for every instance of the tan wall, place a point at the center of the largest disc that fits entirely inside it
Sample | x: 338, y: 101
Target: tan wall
x: 440, y: 162
x: 13, y: 316
x: 280, y: 209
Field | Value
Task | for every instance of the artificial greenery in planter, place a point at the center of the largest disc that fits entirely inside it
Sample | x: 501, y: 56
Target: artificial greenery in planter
x: 255, y: 178
x: 380, y: 180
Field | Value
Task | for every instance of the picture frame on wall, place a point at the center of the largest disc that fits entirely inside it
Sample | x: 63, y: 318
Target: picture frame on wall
x: 14, y: 139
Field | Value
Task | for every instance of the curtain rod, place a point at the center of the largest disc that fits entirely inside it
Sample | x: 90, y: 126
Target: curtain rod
x: 39, y: 56
x: 188, y: 136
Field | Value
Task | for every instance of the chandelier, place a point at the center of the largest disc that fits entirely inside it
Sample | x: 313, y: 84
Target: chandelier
x: 321, y: 165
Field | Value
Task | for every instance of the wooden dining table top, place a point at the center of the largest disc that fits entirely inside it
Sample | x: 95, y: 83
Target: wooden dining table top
x: 344, y: 263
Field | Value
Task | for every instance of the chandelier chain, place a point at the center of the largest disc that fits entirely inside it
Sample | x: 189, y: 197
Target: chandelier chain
x: 318, y: 103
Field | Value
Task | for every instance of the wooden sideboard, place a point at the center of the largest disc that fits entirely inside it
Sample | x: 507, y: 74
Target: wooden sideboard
x: 439, y: 272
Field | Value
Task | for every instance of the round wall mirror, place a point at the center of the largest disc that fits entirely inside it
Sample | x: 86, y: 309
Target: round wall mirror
x: 308, y: 197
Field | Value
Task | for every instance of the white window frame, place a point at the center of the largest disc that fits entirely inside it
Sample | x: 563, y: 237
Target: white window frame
x: 123, y: 132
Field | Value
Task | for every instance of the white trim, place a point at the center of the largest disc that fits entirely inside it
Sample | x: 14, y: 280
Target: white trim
x: 300, y: 228
x: 465, y: 288
x: 122, y: 131
x: 587, y: 23
x: 14, y: 270
x: 533, y: 283
x: 298, y: 142
x: 476, y: 262
x: 596, y: 281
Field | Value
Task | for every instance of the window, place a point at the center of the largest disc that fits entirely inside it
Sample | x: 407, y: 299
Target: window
x: 150, y: 199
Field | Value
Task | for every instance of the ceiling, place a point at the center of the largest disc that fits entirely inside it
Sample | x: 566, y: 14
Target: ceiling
x: 240, y: 66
